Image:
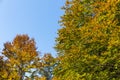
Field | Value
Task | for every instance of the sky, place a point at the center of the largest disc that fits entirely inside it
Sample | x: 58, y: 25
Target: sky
x: 37, y: 18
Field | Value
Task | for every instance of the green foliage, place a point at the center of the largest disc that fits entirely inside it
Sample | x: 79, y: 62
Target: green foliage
x: 88, y: 45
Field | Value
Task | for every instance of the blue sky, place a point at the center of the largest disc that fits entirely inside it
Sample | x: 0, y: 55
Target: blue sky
x: 37, y: 18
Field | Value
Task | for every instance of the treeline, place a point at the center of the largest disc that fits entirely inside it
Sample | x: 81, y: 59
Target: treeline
x: 88, y: 46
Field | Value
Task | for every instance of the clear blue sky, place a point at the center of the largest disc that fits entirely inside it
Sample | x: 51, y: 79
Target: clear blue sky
x: 37, y: 18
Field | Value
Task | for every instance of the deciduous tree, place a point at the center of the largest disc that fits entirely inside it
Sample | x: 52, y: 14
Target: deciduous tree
x: 45, y: 67
x: 88, y: 44
x: 21, y: 55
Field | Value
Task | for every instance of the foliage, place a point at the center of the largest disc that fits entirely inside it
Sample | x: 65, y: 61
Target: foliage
x: 88, y: 44
x: 21, y: 54
x: 3, y: 69
x: 47, y: 65
x: 20, y: 61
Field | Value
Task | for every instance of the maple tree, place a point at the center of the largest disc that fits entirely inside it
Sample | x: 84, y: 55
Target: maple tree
x: 88, y: 44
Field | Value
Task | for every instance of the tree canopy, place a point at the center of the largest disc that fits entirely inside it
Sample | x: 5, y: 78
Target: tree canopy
x: 21, y: 61
x: 88, y: 44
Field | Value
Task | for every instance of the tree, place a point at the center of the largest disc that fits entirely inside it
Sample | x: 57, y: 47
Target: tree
x: 88, y: 44
x: 45, y: 67
x: 21, y: 55
x: 3, y: 69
